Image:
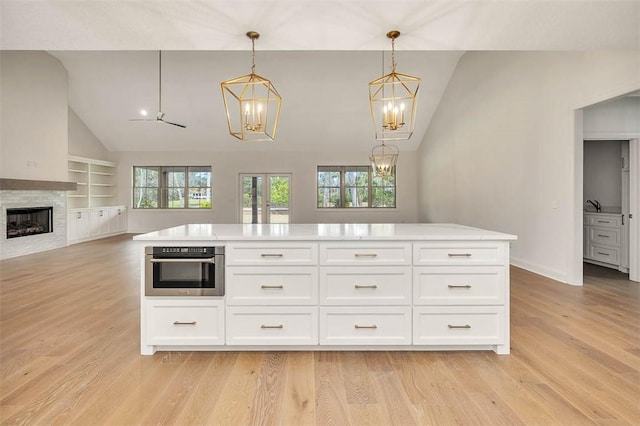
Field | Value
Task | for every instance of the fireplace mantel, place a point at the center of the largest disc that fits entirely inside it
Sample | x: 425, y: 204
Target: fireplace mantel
x: 36, y: 185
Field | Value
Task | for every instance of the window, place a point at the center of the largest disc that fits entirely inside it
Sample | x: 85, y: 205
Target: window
x: 171, y: 187
x: 354, y: 187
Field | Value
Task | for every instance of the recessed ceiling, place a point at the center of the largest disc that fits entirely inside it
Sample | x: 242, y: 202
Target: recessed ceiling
x: 320, y: 55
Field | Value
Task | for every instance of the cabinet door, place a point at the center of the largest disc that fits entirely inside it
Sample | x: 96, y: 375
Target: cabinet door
x: 77, y: 225
x: 99, y: 224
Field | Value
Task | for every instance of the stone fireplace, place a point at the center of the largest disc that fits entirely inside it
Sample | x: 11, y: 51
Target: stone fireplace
x: 27, y: 209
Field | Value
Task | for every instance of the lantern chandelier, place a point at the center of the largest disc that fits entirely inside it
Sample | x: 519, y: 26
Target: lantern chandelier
x: 252, y: 103
x: 383, y: 159
x: 392, y: 99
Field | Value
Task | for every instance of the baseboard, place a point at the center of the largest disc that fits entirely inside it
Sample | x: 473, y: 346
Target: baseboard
x: 540, y: 270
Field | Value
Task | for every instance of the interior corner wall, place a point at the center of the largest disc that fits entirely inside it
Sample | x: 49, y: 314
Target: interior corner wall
x: 82, y: 141
x: 499, y: 151
x: 33, y: 123
x: 226, y: 168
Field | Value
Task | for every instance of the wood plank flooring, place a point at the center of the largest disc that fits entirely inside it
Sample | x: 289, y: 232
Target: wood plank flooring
x: 69, y: 355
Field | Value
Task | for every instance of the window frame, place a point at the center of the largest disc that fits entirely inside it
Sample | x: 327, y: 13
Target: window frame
x: 163, y: 188
x: 343, y: 187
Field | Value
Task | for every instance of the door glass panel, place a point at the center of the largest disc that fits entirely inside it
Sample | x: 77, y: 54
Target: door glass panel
x: 252, y: 199
x: 279, y: 199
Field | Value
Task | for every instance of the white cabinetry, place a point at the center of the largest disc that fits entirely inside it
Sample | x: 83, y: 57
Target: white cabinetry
x: 603, y: 234
x: 184, y: 321
x: 461, y: 294
x: 272, y: 293
x: 91, y: 209
x: 365, y: 293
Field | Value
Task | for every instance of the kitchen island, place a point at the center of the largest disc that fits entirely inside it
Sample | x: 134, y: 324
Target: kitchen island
x: 337, y: 287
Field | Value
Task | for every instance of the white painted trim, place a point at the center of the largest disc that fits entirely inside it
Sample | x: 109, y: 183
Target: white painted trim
x: 553, y: 274
x: 634, y: 209
x: 602, y: 136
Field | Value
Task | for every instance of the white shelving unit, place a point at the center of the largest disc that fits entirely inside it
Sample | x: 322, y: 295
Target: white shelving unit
x: 92, y: 210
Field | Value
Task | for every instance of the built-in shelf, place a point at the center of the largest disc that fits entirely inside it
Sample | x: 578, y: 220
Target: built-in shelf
x: 96, y: 182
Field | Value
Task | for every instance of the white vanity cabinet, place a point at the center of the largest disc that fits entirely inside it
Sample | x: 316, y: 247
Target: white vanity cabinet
x: 272, y: 293
x: 603, y: 239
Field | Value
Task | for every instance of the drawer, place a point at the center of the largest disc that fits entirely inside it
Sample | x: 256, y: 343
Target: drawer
x: 365, y: 326
x: 458, y: 326
x: 474, y: 285
x: 372, y: 285
x: 605, y: 254
x: 605, y: 236
x: 363, y: 253
x: 604, y: 220
x: 452, y: 253
x: 184, y: 321
x: 272, y: 254
x: 271, y: 285
x: 266, y: 325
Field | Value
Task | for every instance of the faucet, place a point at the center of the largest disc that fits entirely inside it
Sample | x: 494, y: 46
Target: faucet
x: 596, y: 204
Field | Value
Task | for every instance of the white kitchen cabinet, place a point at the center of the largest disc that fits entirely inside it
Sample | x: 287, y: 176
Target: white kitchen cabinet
x: 77, y: 225
x: 272, y: 325
x: 184, y: 321
x: 92, y: 223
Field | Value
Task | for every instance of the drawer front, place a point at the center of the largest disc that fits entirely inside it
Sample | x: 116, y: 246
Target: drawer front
x: 451, y: 253
x: 475, y: 285
x: 365, y: 326
x: 455, y: 326
x: 362, y: 253
x: 373, y: 285
x: 185, y: 322
x: 271, y: 285
x: 286, y: 325
x: 605, y: 236
x: 272, y: 254
x: 604, y: 221
x: 605, y: 254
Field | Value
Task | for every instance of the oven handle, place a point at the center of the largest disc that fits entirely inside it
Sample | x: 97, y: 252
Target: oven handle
x: 187, y: 260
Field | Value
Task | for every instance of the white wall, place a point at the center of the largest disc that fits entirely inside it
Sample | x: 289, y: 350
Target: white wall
x: 602, y: 180
x: 619, y: 118
x: 82, y: 141
x: 499, y: 152
x: 227, y: 166
x: 33, y: 123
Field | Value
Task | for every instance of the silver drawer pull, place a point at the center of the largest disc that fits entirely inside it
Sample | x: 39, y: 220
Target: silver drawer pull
x: 459, y: 326
x: 603, y: 221
x: 272, y: 255
x: 263, y: 326
x: 459, y: 254
x: 604, y: 254
x: 373, y: 326
x: 603, y: 236
x: 367, y: 255
x: 358, y: 286
x: 184, y: 323
x: 266, y: 287
x: 459, y: 286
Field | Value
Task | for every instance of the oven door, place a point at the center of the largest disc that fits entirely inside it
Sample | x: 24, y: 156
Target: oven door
x: 184, y: 277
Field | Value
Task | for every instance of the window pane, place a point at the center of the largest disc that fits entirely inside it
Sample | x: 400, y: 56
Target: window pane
x: 145, y: 198
x: 328, y: 197
x: 146, y: 176
x: 356, y: 197
x: 384, y: 197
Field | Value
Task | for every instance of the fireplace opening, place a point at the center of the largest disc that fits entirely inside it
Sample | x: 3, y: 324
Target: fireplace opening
x: 22, y: 222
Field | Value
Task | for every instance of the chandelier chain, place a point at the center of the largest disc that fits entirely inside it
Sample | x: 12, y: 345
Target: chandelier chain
x: 393, y: 55
x: 253, y: 56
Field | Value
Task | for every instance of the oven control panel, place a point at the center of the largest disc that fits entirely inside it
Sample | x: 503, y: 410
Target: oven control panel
x: 188, y: 252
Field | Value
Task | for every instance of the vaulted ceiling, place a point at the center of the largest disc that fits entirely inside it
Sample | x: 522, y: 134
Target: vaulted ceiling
x: 320, y: 55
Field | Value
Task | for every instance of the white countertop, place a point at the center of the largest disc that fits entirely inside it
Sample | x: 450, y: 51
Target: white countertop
x: 323, y: 232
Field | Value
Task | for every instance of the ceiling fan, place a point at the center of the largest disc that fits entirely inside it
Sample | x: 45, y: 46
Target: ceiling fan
x: 160, y: 115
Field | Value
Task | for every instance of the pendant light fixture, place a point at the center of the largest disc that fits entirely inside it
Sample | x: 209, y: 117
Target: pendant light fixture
x: 252, y: 103
x: 383, y: 159
x: 392, y: 99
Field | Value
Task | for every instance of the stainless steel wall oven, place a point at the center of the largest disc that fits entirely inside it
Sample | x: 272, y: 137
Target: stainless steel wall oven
x: 184, y: 271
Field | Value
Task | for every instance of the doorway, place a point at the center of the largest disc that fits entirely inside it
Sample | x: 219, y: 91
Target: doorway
x: 265, y: 198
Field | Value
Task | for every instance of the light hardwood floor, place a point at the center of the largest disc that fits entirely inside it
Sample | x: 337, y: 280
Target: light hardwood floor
x: 69, y: 329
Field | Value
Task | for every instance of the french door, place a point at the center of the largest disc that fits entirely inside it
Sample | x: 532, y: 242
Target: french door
x: 265, y: 198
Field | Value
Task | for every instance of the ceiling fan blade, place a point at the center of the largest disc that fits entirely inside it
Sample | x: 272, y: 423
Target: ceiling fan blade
x: 142, y: 119
x: 174, y: 124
